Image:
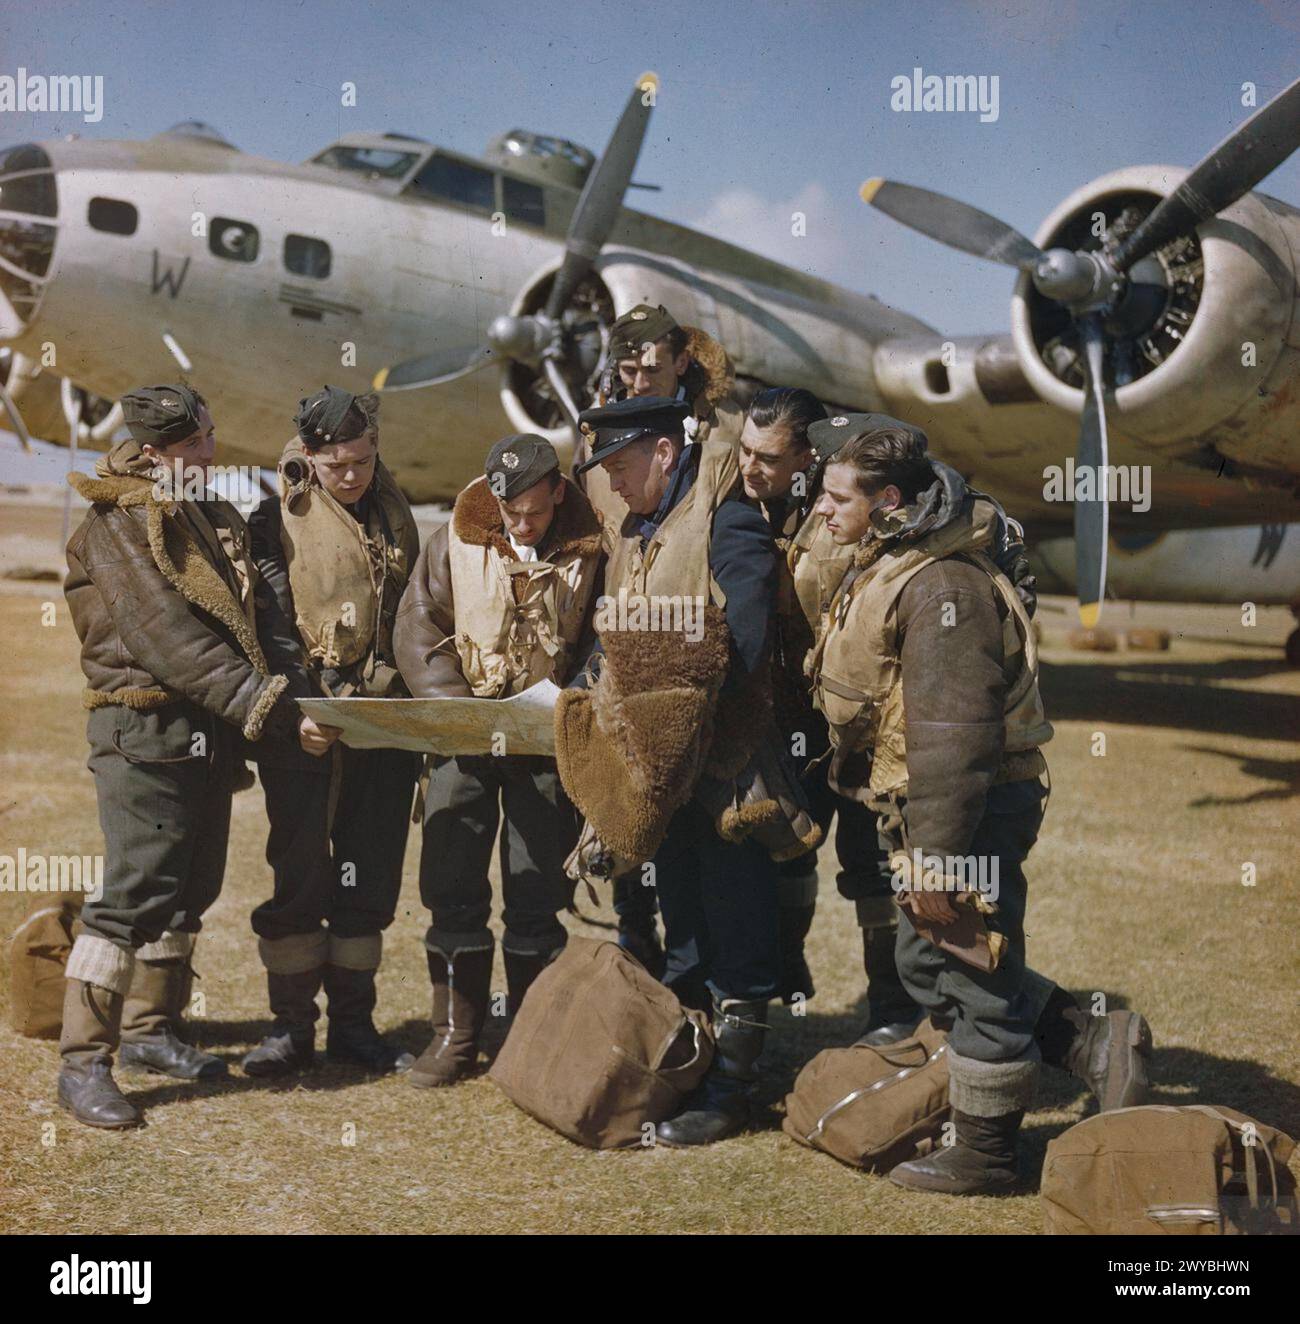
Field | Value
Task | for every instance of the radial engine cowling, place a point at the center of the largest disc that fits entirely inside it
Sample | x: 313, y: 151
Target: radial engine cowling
x: 1207, y: 342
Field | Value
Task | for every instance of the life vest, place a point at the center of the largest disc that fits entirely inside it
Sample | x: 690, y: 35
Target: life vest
x: 675, y: 561
x: 857, y: 671
x: 519, y: 622
x: 346, y: 577
x: 816, y: 564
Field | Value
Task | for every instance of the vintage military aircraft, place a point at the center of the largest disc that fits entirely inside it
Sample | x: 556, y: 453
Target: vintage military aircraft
x: 1157, y: 305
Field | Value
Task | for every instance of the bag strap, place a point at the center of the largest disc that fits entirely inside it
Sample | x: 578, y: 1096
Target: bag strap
x: 697, y: 1046
x: 849, y: 1098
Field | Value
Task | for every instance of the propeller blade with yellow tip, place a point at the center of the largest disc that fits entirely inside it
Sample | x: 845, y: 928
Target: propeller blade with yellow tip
x: 436, y: 369
x: 1091, y: 517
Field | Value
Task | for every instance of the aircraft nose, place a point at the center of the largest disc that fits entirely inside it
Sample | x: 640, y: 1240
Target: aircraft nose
x: 29, y: 208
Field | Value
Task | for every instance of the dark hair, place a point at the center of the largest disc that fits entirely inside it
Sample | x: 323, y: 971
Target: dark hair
x: 888, y: 455
x: 787, y: 406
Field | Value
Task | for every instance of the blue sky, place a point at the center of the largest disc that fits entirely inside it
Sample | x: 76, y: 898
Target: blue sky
x: 765, y: 109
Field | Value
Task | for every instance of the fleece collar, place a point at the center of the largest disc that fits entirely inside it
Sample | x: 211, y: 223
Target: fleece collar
x: 176, y: 554
x: 476, y: 519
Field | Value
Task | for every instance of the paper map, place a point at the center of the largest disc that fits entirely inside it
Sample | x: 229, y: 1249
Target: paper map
x: 524, y: 724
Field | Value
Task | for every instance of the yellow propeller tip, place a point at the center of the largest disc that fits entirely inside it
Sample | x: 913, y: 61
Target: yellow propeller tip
x: 380, y: 378
x: 1089, y: 614
x: 648, y: 81
x: 869, y: 190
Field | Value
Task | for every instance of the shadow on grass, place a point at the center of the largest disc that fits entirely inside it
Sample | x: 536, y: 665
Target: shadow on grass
x: 1171, y: 694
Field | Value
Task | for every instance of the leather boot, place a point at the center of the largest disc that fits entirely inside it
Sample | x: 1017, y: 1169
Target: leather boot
x: 720, y: 1107
x: 350, y: 1002
x: 291, y: 1045
x: 462, y: 993
x: 981, y: 1162
x: 892, y: 1016
x: 92, y: 1018
x: 153, y: 1015
x: 1111, y: 1054
x: 521, y: 969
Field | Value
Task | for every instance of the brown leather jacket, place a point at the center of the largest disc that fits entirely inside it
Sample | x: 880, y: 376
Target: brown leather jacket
x: 156, y: 605
x: 954, y: 679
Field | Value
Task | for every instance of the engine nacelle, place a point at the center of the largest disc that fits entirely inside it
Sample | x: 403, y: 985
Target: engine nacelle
x: 1216, y: 371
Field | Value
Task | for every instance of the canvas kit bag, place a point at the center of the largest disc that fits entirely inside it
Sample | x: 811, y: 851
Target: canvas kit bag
x: 873, y: 1108
x: 38, y: 951
x: 1164, y: 1171
x: 600, y: 1050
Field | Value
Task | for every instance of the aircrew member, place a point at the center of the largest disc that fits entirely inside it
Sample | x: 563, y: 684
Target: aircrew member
x: 928, y: 675
x: 649, y: 354
x: 337, y: 546
x: 501, y: 600
x: 690, y: 537
x: 168, y: 607
x: 781, y: 471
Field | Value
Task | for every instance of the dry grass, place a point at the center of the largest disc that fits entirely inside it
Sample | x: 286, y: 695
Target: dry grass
x: 1136, y: 892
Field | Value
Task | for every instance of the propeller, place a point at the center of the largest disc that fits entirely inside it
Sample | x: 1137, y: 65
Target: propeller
x: 1092, y: 285
x: 542, y: 338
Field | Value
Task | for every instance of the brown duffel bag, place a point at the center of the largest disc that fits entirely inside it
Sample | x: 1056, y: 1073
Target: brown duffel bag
x: 873, y: 1108
x: 38, y: 951
x: 600, y: 1051
x: 1161, y: 1171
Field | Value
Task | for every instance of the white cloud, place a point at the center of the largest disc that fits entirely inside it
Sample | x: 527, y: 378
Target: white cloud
x: 770, y: 226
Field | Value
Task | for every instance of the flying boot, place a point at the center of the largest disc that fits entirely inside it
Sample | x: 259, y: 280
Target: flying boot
x: 98, y: 975
x: 462, y: 994
x: 350, y: 1001
x: 720, y: 1107
x: 295, y: 967
x: 154, y: 1010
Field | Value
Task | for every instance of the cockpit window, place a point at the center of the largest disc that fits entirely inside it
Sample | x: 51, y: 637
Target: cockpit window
x: 376, y: 162
x: 523, y: 202
x: 454, y: 181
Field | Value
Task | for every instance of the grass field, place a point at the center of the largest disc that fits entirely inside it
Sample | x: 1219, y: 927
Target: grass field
x: 1136, y: 892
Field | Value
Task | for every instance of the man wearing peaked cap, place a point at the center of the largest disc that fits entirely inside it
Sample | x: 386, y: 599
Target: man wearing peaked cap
x: 336, y: 545
x: 662, y: 785
x: 501, y: 600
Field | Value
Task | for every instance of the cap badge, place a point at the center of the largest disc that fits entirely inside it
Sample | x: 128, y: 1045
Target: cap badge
x: 839, y: 421
x: 510, y: 459
x: 638, y: 317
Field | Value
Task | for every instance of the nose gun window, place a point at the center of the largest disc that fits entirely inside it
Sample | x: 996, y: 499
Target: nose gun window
x: 113, y: 216
x: 33, y: 194
x: 236, y: 241
x: 305, y: 256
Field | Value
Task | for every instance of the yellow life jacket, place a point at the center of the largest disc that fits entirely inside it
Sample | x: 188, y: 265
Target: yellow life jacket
x: 519, y: 622
x: 346, y: 577
x: 857, y: 671
x: 675, y: 562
